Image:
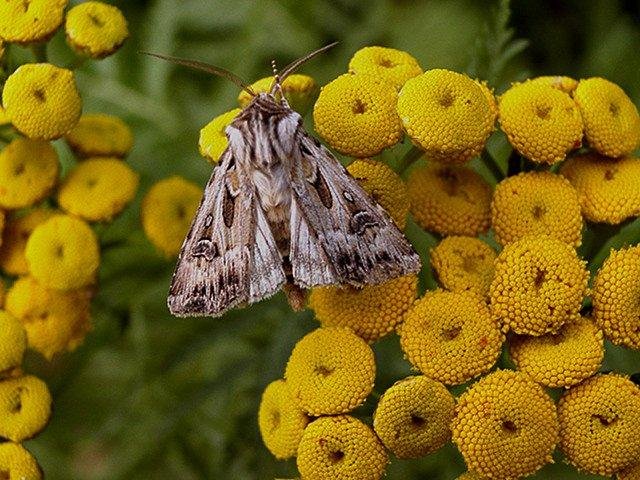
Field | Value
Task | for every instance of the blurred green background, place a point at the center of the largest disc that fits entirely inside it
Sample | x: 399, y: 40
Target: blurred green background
x: 151, y: 396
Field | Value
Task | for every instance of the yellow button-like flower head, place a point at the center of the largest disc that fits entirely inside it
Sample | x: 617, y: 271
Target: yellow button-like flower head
x: 25, y: 407
x: 383, y: 185
x: 539, y: 285
x: 561, y: 359
x: 28, y: 172
x: 30, y: 21
x: 394, y: 66
x: 542, y: 123
x: 98, y: 189
x: 18, y: 463
x: 599, y: 424
x: 331, y: 370
x: 42, y: 100
x: 505, y: 426
x: 63, y: 253
x: 55, y: 321
x: 449, y: 200
x: 611, y: 120
x: 371, y: 312
x: 14, y: 240
x: 13, y: 343
x: 616, y: 290
x: 413, y: 416
x: 536, y: 203
x: 213, y: 139
x: 340, y: 448
x: 463, y: 264
x: 356, y: 115
x: 299, y: 90
x: 562, y: 83
x: 100, y: 135
x: 281, y: 420
x: 446, y: 114
x: 487, y: 91
x: 96, y: 29
x: 451, y: 336
x: 167, y: 211
x: 608, y: 189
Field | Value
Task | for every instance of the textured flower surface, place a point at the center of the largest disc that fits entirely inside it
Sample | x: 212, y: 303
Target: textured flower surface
x: 13, y: 343
x: 413, y: 416
x: 616, y: 290
x: 599, y: 424
x: 536, y: 203
x: 17, y: 463
x: 32, y: 21
x: 449, y: 200
x: 14, y: 239
x: 96, y: 29
x: 561, y: 82
x: 562, y: 359
x: 538, y: 286
x: 505, y: 426
x: 394, y: 66
x: 25, y: 406
x: 356, y: 115
x: 608, y: 189
x: 331, y: 370
x: 542, y: 122
x: 42, y: 100
x: 281, y: 420
x: 100, y: 135
x: 340, y: 448
x: 451, y: 336
x: 446, y: 114
x: 371, y: 311
x: 213, y: 139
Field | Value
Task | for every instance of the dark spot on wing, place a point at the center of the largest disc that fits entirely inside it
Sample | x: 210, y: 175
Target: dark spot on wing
x: 316, y: 142
x: 205, y: 248
x: 362, y: 220
x: 320, y: 184
x: 228, y: 207
x: 304, y: 149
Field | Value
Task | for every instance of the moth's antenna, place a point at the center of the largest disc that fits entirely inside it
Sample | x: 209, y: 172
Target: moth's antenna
x: 293, y: 66
x: 277, y: 84
x: 205, y: 67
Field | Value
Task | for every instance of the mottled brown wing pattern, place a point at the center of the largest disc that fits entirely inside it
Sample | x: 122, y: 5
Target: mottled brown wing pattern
x: 341, y: 234
x: 229, y: 256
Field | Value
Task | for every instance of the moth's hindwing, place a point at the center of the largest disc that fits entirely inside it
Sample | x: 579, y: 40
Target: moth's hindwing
x: 229, y: 256
x: 339, y: 235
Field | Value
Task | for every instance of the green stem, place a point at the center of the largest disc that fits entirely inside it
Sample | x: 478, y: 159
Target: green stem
x: 77, y: 63
x: 5, y: 138
x: 39, y: 52
x: 413, y: 154
x: 492, y: 165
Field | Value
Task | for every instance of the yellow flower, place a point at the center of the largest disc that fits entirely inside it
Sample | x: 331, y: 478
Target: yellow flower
x: 487, y: 91
x: 55, y: 321
x: 371, y: 312
x: 539, y: 285
x: 611, y: 120
x: 561, y: 359
x: 100, y: 135
x: 340, y: 448
x: 356, y: 115
x: 505, y: 426
x: 299, y: 90
x: 167, y: 210
x: 13, y: 343
x: 42, y: 100
x: 28, y: 172
x: 616, y: 290
x: 599, y: 424
x: 383, y: 185
x: 17, y: 463
x: 446, y: 114
x: 25, y: 407
x: 608, y: 189
x: 30, y: 21
x: 451, y: 336
x: 449, y: 200
x: 63, y: 253
x: 463, y: 264
x: 630, y: 473
x: 536, y: 203
x: 96, y: 29
x: 542, y: 122
x: 413, y: 416
x: 98, y: 189
x: 562, y: 83
x: 394, y: 66
x: 14, y: 240
x: 331, y: 370
x: 281, y: 420
x: 213, y: 140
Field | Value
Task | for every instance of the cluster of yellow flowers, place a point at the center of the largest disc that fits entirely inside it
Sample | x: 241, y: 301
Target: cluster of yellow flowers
x: 513, y: 290
x: 49, y: 251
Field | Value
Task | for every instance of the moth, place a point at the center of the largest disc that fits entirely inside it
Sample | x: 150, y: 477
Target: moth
x: 280, y: 211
